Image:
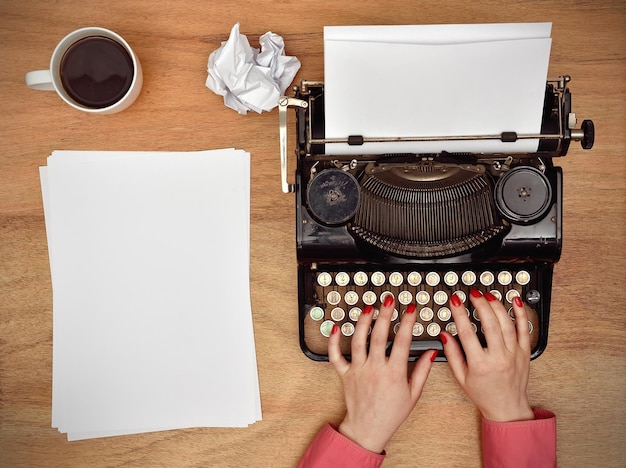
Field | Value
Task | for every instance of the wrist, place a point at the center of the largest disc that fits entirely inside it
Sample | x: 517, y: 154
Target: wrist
x: 362, y: 437
x: 522, y: 413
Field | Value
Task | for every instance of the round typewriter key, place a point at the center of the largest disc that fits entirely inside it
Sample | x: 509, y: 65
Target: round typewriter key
x: 444, y: 314
x: 475, y: 327
x: 369, y: 297
x: 324, y: 279
x: 440, y: 297
x: 394, y: 315
x: 451, y: 328
x: 418, y: 329
x: 375, y: 314
x: 511, y: 313
x: 522, y: 277
x: 316, y: 313
x: 405, y: 297
x: 342, y: 278
x: 396, y: 327
x: 422, y: 297
x: 360, y: 278
x: 333, y: 297
x: 326, y: 327
x: 505, y: 278
x: 351, y: 297
x: 487, y: 278
x: 396, y: 278
x: 433, y: 329
x: 530, y: 327
x: 378, y: 278
x: 523, y: 194
x: 433, y: 279
x: 337, y: 314
x: 333, y: 196
x: 426, y: 314
x: 355, y: 313
x: 510, y: 295
x: 384, y: 295
x: 497, y: 294
x: 414, y: 278
x: 468, y: 278
x: 451, y: 278
x: 475, y: 315
x: 461, y: 295
x: 347, y: 329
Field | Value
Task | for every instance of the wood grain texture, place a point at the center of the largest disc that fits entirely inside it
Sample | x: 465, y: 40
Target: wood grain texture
x: 582, y: 374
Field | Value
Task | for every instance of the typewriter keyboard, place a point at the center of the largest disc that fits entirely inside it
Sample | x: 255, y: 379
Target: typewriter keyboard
x: 340, y: 296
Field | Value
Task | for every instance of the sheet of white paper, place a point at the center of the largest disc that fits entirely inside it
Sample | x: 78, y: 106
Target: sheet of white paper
x: 440, y: 83
x: 435, y: 34
x: 152, y: 323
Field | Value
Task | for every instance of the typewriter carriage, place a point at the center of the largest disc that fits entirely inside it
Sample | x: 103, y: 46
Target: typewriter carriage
x: 558, y: 129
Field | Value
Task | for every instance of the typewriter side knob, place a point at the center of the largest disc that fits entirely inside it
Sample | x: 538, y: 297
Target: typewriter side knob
x: 333, y: 196
x: 586, y: 134
x: 589, y: 134
x: 523, y: 195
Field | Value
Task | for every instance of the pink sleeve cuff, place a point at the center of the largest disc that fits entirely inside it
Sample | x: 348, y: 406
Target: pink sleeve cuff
x: 520, y: 444
x: 330, y: 448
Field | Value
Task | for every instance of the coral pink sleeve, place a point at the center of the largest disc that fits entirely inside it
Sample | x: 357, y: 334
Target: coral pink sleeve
x: 520, y: 444
x: 330, y: 448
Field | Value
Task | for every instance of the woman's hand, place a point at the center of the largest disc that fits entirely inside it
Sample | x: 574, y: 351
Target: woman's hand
x: 495, y: 378
x: 378, y: 392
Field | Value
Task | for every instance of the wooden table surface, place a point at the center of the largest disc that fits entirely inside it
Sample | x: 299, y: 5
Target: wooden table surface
x: 581, y: 376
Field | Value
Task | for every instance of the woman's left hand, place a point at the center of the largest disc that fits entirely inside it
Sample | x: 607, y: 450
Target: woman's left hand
x: 379, y: 393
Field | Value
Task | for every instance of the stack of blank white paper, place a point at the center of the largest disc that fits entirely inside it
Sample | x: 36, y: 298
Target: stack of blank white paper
x: 152, y: 325
x: 453, y: 80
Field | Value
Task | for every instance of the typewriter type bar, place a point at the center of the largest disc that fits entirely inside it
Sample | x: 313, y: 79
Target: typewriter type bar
x: 424, y: 226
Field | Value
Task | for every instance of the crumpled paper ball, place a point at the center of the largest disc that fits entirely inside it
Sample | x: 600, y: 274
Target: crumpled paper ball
x: 250, y: 79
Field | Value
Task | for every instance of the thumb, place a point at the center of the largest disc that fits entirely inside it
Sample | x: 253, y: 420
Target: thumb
x: 420, y: 373
x: 454, y: 355
x: 335, y: 357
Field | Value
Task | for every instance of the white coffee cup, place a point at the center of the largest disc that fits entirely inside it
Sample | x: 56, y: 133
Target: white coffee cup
x: 93, y: 70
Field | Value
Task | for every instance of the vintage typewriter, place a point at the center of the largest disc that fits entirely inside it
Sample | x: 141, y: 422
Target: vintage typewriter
x: 424, y: 226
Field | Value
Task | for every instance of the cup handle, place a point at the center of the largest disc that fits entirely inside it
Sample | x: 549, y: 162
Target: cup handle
x: 39, y: 79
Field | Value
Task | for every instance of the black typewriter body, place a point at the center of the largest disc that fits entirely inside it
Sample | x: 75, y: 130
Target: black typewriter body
x: 424, y: 226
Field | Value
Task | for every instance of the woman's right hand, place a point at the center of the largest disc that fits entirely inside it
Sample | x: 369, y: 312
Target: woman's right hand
x: 495, y: 378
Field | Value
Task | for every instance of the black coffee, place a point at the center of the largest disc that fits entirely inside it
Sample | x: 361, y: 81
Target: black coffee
x: 96, y: 71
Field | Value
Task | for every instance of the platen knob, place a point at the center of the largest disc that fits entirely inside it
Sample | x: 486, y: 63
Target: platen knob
x: 589, y: 134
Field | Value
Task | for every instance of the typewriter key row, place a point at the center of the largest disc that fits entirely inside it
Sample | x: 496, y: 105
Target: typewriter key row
x: 414, y: 278
x: 405, y: 297
x: 426, y: 315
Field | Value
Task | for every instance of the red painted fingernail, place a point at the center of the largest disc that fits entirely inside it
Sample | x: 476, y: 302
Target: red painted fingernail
x: 434, y: 356
x: 368, y: 309
x: 490, y: 297
x: 444, y: 340
x: 410, y: 309
x: 476, y: 293
x: 455, y: 300
x: 388, y: 300
x: 335, y: 329
x: 518, y: 301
